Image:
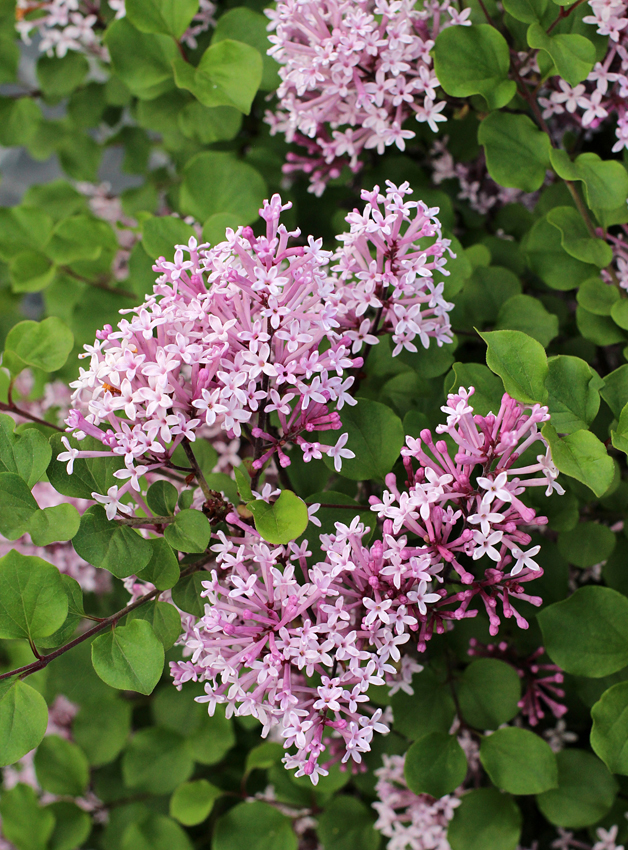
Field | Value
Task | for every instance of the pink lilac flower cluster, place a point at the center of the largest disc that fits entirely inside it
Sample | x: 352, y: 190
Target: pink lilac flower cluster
x: 232, y: 334
x: 539, y: 680
x: 411, y: 821
x: 64, y: 25
x: 352, y: 73
x: 264, y: 634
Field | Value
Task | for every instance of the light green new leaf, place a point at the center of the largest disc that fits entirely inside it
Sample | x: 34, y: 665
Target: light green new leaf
x: 33, y: 602
x: 109, y: 545
x: 573, y: 393
x: 527, y: 314
x: 189, y: 532
x: 44, y: 345
x: 517, y: 152
x: 597, y: 297
x: 573, y: 55
x: 609, y: 735
x: 192, y: 802
x: 283, y: 520
x: 58, y: 523
x: 605, y: 183
x: 237, y: 188
x: 576, y: 239
x: 243, y: 24
x: 169, y: 17
x: 520, y: 362
x: 130, y: 658
x: 61, y: 766
x: 142, y: 61
x: 30, y: 271
x: 17, y: 506
x: 25, y: 823
x: 581, y: 456
x: 23, y: 720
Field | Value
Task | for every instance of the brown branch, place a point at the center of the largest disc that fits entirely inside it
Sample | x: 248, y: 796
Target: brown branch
x: 564, y: 13
x: 198, y: 472
x: 12, y: 408
x: 98, y: 284
x: 145, y: 521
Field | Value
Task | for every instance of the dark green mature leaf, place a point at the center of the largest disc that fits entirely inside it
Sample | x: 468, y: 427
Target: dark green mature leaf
x: 587, y: 544
x: 142, y: 61
x: 489, y: 693
x: 102, y: 729
x: 547, y: 258
x: 186, y: 594
x: 572, y: 54
x: 615, y: 389
x: 208, y: 125
x: 573, y: 393
x: 19, y: 120
x: 587, y: 634
x: 192, y: 802
x: 605, y: 183
x: 156, y: 761
x: 26, y: 454
x: 23, y: 720
x: 130, y: 658
x: 229, y: 74
x: 169, y: 17
x: 585, y: 793
x: 110, y: 546
x: 435, y: 764
x: 72, y: 825
x: 619, y: 436
x: 581, y: 456
x: 254, y: 826
x: 163, y: 568
x: 576, y: 239
x: 237, y: 188
x: 164, y: 619
x: 619, y: 313
x: 347, y: 824
x: 597, y: 297
x: 155, y: 832
x: 283, y: 520
x: 88, y: 475
x: 375, y: 436
x: 518, y: 761
x: 429, y: 709
x: 189, y: 532
x: 520, y: 362
x: 24, y: 822
x: 488, y: 387
x: 485, y: 820
x: 44, y: 345
x: 601, y: 330
x: 58, y: 77
x: 33, y: 602
x: 17, y: 506
x: 264, y: 756
x: 527, y: 11
x: 474, y: 60
x: 527, y: 314
x: 609, y: 735
x: 159, y: 236
x: 517, y: 152
x: 61, y: 766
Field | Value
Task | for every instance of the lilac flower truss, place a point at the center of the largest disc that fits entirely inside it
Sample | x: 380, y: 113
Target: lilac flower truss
x: 232, y: 334
x: 302, y: 655
x: 353, y: 72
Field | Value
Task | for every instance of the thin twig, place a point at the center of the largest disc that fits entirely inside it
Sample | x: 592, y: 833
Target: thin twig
x: 99, y: 284
x: 198, y: 472
x: 12, y: 408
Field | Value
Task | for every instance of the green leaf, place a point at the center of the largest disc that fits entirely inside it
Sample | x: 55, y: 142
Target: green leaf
x: 243, y: 24
x: 573, y: 393
x: 192, y: 802
x: 609, y: 735
x: 527, y: 314
x: 19, y: 120
x: 586, y: 791
x: 587, y: 634
x: 30, y: 271
x: 110, y: 546
x: 548, y: 259
x: 209, y: 124
x: 33, y: 602
x: 80, y: 237
x: 429, y: 709
x: 283, y: 520
x: 164, y: 619
x: 155, y: 832
x: 61, y: 766
x: 518, y: 761
x: 216, y: 225
x: 102, y: 729
x: 375, y: 436
x: 170, y: 17
x: 573, y: 55
x: 605, y: 183
x: 619, y: 313
x: 520, y: 362
x: 587, y: 544
x: 576, y: 239
x: 597, y: 297
x: 190, y: 531
x: 485, y: 820
x: 23, y: 720
x: 517, y: 152
x: 130, y: 658
x: 254, y: 826
x: 23, y: 228
x: 58, y: 77
x: 163, y: 568
x: 600, y: 330
x: 264, y: 756
x: 489, y: 693
x: 237, y: 188
x: 142, y: 61
x: 160, y: 234
x: 347, y: 824
x: 489, y: 389
x: 58, y: 523
x: 615, y: 389
x: 24, y: 822
x: 435, y: 765
x: 581, y: 456
x: 72, y: 825
x: 26, y: 454
x: 186, y: 594
x: 474, y: 60
x: 229, y: 74
x: 526, y: 11
x: 156, y: 761
x: 89, y: 475
x: 243, y: 480
x: 213, y: 740
x: 44, y: 345
x: 619, y: 437
x: 17, y: 506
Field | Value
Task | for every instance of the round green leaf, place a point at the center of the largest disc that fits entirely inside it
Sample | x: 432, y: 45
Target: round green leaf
x: 163, y: 568
x: 597, y: 297
x: 283, y: 520
x: 17, y: 506
x: 61, y: 766
x: 109, y: 545
x: 72, y: 826
x: 160, y: 234
x: 243, y: 24
x: 23, y: 720
x: 527, y: 314
x: 435, y: 764
x: 155, y: 832
x: 164, y: 619
x: 25, y: 823
x: 33, y: 602
x: 548, y: 259
x: 489, y: 693
x: 573, y: 393
x: 572, y: 54
x: 130, y: 658
x: 192, y: 802
x: 102, y: 729
x: 429, y: 709
x: 586, y: 791
x: 587, y: 544
x: 517, y: 152
x: 609, y: 735
x: 142, y: 61
x: 518, y: 761
x: 156, y: 761
x: 190, y: 531
x: 170, y: 17
x: 44, y: 345
x: 485, y: 820
x: 582, y: 456
x: 587, y: 634
x: 576, y: 239
x: 520, y: 362
x: 30, y: 271
x: 58, y: 523
x: 254, y: 826
x: 237, y: 188
x: 26, y: 454
x: 347, y: 824
x: 162, y: 496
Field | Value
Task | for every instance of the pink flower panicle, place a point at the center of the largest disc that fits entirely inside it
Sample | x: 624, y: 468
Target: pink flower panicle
x: 539, y: 680
x: 352, y: 73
